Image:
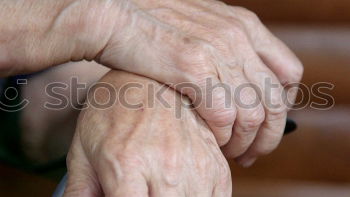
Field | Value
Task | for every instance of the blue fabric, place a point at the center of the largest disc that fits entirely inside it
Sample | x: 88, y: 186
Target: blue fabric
x: 61, y: 187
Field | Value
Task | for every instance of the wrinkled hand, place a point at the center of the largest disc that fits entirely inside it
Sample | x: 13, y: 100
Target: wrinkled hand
x: 176, y: 41
x: 173, y: 42
x: 146, y: 152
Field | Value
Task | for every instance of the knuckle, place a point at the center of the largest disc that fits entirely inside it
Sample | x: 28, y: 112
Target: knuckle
x: 223, y: 117
x: 275, y: 106
x: 234, y: 29
x: 297, y: 72
x: 294, y: 72
x: 254, y: 119
x: 223, y: 137
x: 218, y: 107
x: 245, y: 139
x: 194, y: 59
x: 274, y: 116
x: 247, y: 14
x: 250, y: 15
x: 276, y: 111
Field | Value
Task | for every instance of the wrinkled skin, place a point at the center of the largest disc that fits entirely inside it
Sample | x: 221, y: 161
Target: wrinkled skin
x: 192, y: 41
x: 125, y: 152
x: 171, y: 41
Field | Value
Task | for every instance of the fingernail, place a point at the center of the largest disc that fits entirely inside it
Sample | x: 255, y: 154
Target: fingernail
x: 246, y: 163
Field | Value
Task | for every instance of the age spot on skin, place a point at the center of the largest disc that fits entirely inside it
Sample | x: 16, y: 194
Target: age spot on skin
x: 186, y: 40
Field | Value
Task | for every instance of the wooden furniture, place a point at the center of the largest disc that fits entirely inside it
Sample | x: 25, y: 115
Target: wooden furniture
x: 298, y: 11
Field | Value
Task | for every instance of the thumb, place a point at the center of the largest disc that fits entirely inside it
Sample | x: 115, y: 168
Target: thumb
x: 82, y: 180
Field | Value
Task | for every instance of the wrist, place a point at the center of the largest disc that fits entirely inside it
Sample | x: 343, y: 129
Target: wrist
x: 36, y: 35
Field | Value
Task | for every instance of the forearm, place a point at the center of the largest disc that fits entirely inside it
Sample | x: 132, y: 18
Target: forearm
x: 135, y: 92
x: 37, y: 34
